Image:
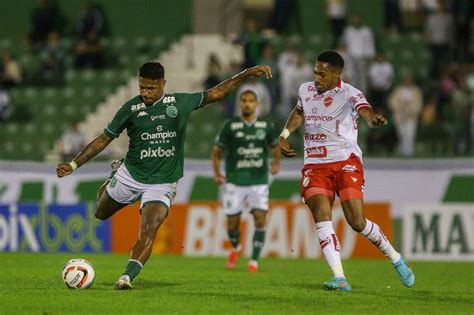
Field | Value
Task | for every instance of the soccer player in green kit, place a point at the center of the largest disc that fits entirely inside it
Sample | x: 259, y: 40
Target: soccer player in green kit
x: 156, y: 124
x: 247, y: 140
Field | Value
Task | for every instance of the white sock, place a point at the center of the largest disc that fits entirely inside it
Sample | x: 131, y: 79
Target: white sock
x: 374, y: 234
x: 330, y: 247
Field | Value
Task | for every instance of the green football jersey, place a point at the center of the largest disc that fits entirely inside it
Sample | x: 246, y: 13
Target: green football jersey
x: 246, y: 161
x: 156, y: 148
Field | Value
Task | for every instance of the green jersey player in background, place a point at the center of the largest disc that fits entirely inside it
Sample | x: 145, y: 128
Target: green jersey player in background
x: 156, y: 124
x: 246, y: 140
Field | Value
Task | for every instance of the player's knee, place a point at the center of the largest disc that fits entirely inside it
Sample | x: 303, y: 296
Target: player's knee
x: 358, y: 225
x: 260, y: 224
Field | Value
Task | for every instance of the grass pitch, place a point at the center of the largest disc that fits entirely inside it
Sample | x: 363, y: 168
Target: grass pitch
x: 32, y: 284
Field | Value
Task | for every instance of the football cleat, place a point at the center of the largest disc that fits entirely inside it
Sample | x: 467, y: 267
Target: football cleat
x: 232, y: 259
x: 123, y: 283
x: 405, y: 274
x: 337, y: 284
x: 115, y: 165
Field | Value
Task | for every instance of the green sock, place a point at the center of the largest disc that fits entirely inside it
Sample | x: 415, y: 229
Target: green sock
x: 133, y: 268
x: 234, y: 237
x: 258, y: 241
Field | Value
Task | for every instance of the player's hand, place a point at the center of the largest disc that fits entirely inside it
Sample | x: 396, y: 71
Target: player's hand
x: 275, y: 167
x: 258, y: 71
x: 219, y: 179
x: 63, y: 169
x: 379, y: 120
x: 285, y: 147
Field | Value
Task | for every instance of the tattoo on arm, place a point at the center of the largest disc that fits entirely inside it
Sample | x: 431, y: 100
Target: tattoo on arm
x: 226, y: 87
x: 295, y: 120
x: 92, y: 149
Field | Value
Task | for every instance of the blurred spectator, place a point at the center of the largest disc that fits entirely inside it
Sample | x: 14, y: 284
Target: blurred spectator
x: 229, y: 101
x: 405, y: 102
x: 439, y: 35
x: 51, y: 69
x: 286, y: 60
x: 392, y: 16
x: 253, y: 42
x: 214, y: 72
x: 10, y: 74
x: 263, y: 96
x: 463, y: 13
x: 45, y: 19
x: 361, y: 48
x: 461, y: 107
x: 380, y: 80
x: 89, y: 52
x: 348, y: 71
x: 5, y: 104
x: 91, y: 20
x: 72, y: 142
x: 299, y: 73
x: 269, y: 59
x: 336, y: 11
x: 284, y: 9
x: 447, y: 84
x: 411, y: 14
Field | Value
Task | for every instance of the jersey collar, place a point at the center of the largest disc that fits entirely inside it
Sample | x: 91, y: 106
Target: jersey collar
x: 336, y: 89
x: 159, y: 100
x: 248, y: 124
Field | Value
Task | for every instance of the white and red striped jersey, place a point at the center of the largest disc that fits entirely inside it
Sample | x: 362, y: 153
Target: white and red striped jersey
x: 330, y: 121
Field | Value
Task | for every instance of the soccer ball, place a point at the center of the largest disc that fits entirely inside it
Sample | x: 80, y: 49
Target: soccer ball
x: 78, y: 274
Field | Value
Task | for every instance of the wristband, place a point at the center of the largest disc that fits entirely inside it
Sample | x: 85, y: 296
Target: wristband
x: 285, y: 133
x: 73, y: 165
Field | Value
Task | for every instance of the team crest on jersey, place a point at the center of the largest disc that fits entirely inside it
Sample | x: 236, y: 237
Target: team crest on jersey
x: 172, y: 111
x: 328, y: 101
x: 260, y: 134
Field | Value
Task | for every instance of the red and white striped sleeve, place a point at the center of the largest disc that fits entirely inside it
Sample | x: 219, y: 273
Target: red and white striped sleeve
x: 358, y: 100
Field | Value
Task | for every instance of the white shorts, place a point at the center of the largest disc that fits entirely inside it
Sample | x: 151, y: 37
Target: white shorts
x: 124, y: 189
x: 238, y: 198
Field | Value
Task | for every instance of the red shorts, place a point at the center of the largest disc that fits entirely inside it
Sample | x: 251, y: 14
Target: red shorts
x: 346, y: 178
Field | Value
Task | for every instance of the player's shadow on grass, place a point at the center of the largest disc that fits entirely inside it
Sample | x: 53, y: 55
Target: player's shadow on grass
x: 155, y: 284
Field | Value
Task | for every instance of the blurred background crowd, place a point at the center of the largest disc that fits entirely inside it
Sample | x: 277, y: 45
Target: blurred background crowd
x: 417, y: 68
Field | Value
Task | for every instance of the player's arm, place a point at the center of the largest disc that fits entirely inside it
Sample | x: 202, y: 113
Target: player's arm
x: 90, y: 150
x: 372, y: 118
x: 228, y: 86
x: 275, y: 166
x: 216, y: 164
x: 295, y: 121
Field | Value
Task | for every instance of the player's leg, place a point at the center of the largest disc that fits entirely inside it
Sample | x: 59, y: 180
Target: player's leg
x: 258, y: 202
x: 260, y: 218
x: 233, y: 200
x: 156, y: 200
x: 353, y: 211
x: 153, y: 215
x: 320, y: 206
x: 107, y: 206
x: 233, y: 231
x: 350, y: 181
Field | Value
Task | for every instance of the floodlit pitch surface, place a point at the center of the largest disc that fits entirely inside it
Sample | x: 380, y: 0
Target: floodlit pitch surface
x: 31, y: 283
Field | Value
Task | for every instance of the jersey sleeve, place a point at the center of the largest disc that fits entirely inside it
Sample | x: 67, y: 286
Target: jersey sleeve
x: 224, y: 137
x: 119, y: 122
x: 272, y: 137
x: 194, y: 100
x: 358, y: 100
